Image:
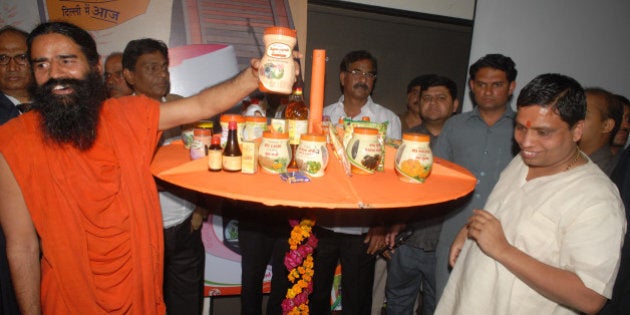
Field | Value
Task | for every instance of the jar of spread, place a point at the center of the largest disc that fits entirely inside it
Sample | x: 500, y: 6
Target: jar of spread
x: 311, y: 155
x: 240, y: 124
x: 414, y: 158
x: 364, y: 151
x: 254, y: 127
x: 274, y: 153
x: 201, y: 141
x: 277, y: 71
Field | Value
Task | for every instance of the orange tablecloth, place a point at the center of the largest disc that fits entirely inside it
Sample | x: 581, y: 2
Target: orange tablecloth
x: 447, y: 181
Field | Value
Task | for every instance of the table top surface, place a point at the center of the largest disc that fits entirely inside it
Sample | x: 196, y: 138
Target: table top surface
x: 335, y: 190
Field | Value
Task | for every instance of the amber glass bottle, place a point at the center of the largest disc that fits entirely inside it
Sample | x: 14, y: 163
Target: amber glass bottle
x: 296, y: 115
x: 232, y: 152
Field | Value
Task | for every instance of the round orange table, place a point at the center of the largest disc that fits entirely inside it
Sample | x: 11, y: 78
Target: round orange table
x: 334, y: 190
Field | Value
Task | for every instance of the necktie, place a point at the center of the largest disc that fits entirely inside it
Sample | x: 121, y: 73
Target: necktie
x: 24, y: 107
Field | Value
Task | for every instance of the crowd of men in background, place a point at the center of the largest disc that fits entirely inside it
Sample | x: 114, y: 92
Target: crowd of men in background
x: 542, y: 168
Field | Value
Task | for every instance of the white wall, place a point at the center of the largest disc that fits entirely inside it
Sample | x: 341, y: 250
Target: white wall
x: 587, y: 40
x: 462, y: 9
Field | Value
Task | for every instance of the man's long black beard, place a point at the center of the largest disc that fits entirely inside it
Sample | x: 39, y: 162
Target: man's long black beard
x: 71, y: 118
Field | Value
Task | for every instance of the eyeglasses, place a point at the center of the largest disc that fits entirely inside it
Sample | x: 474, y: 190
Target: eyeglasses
x: 358, y: 73
x: 20, y: 59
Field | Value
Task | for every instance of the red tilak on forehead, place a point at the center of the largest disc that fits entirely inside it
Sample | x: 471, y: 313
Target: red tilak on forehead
x: 528, y: 124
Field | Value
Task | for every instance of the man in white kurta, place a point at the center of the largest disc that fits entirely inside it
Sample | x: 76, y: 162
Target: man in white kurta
x: 561, y: 217
x: 571, y: 220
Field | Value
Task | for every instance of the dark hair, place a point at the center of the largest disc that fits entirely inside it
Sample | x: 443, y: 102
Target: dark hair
x: 495, y: 61
x: 437, y: 80
x: 561, y: 93
x: 139, y: 47
x: 623, y: 100
x: 12, y: 29
x: 418, y: 81
x: 80, y: 36
x: 355, y: 56
x: 613, y: 109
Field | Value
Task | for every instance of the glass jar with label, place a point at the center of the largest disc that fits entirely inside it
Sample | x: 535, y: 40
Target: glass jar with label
x: 254, y: 127
x: 201, y: 141
x: 274, y: 153
x: 414, y: 158
x: 277, y: 70
x: 240, y: 124
x: 364, y: 151
x: 311, y: 155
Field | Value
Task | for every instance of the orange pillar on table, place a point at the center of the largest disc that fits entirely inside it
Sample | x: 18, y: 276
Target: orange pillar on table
x: 318, y: 73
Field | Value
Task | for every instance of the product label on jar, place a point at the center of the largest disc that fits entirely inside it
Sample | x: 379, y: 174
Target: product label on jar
x: 253, y: 130
x: 364, y: 154
x: 413, y: 163
x: 197, y: 150
x: 279, y: 50
x: 312, y: 158
x: 274, y: 155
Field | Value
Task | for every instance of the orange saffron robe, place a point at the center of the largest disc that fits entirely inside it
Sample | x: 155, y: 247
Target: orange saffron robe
x: 96, y: 212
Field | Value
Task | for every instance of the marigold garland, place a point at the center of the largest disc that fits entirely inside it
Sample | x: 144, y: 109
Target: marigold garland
x: 299, y: 263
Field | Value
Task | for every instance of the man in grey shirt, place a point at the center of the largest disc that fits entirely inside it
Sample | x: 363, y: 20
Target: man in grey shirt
x: 481, y: 141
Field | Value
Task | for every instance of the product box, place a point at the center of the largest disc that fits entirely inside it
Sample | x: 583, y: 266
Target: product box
x: 250, y: 156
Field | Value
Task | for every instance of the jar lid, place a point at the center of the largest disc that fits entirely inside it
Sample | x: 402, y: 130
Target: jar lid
x: 315, y: 137
x: 205, y: 125
x: 279, y: 30
x: 232, y: 117
x: 365, y: 131
x: 420, y: 137
x: 258, y: 119
x: 202, y: 132
x: 275, y: 135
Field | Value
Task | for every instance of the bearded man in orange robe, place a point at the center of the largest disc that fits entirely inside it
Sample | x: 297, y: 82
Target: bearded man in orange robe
x: 78, y: 203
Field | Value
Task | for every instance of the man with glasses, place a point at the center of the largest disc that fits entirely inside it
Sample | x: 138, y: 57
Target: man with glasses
x: 113, y: 76
x: 15, y: 77
x: 15, y: 73
x: 348, y: 243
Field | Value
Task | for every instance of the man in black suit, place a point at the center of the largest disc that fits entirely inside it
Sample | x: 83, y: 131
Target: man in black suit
x: 15, y: 72
x: 15, y: 77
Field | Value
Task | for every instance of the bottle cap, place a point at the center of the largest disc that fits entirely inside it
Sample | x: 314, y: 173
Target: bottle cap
x: 232, y: 117
x: 275, y: 135
x: 232, y: 125
x: 202, y: 132
x: 279, y: 30
x: 256, y: 119
x: 365, y: 131
x: 315, y: 137
x: 216, y: 139
x: 419, y: 137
